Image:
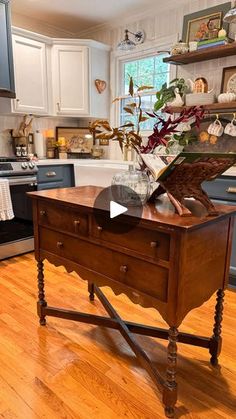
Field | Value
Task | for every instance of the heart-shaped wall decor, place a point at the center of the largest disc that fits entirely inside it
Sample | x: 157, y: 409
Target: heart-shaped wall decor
x: 100, y: 85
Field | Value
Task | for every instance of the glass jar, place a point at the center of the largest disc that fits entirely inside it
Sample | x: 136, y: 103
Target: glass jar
x: 135, y: 181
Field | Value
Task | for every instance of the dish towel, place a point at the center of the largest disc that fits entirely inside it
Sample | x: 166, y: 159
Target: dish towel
x: 6, y: 210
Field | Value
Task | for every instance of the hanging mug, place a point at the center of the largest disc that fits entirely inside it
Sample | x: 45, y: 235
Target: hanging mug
x: 216, y: 128
x: 230, y: 128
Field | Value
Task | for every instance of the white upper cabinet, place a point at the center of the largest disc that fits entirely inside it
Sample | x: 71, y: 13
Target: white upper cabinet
x: 76, y: 66
x: 57, y: 76
x: 30, y: 76
x: 71, y: 79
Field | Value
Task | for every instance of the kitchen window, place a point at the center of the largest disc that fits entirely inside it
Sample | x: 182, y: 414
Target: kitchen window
x: 148, y: 71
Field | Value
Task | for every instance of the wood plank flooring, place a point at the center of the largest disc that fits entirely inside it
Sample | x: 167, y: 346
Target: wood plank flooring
x: 72, y: 370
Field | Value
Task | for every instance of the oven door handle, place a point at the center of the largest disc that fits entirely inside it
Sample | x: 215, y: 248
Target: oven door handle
x: 24, y: 180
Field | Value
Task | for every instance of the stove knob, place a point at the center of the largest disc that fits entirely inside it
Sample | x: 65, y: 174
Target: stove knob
x: 24, y: 165
x: 31, y: 165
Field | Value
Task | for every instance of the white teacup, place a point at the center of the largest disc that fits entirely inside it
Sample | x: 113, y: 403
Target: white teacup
x: 230, y: 128
x: 215, y: 128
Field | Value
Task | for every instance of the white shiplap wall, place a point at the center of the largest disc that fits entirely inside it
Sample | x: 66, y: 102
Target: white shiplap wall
x: 166, y: 21
x: 9, y: 122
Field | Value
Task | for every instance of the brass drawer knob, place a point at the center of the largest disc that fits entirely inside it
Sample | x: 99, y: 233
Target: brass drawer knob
x: 76, y: 224
x: 42, y: 213
x: 154, y: 245
x: 124, y: 268
x: 231, y: 189
x: 99, y: 228
x: 59, y: 245
x: 51, y: 174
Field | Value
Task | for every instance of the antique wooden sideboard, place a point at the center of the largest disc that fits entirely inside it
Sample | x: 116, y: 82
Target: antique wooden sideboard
x: 167, y: 262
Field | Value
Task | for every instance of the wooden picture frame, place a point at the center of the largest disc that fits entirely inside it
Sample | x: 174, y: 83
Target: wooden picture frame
x: 228, y: 73
x: 78, y: 139
x: 192, y: 23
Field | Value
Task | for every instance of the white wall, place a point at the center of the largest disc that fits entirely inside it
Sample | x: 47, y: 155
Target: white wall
x: 166, y: 22
x: 9, y: 122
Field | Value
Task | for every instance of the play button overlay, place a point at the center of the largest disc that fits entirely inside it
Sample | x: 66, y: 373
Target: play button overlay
x: 117, y: 209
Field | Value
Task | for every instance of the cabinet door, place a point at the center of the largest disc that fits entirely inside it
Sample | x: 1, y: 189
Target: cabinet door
x: 30, y: 76
x: 7, y: 88
x: 70, y: 78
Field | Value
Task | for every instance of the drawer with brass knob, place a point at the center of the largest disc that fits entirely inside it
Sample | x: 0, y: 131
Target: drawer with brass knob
x: 66, y: 219
x: 120, y: 267
x: 155, y: 244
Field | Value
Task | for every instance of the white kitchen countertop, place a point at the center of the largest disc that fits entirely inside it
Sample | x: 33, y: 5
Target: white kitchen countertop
x: 83, y: 162
x: 104, y: 163
x: 230, y: 172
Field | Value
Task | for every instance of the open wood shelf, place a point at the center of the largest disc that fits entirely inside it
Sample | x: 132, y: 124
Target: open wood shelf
x: 202, y: 54
x: 213, y: 108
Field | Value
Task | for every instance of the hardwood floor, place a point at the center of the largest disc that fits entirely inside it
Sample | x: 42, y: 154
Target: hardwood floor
x: 73, y: 370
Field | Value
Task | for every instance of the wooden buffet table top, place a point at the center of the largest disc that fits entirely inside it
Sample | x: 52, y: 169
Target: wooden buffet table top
x: 162, y: 213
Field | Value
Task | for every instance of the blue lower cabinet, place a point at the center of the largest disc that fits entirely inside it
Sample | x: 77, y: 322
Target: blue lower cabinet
x: 55, y: 176
x: 223, y: 191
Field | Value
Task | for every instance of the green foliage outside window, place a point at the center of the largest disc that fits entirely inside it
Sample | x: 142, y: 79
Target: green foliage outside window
x: 149, y: 71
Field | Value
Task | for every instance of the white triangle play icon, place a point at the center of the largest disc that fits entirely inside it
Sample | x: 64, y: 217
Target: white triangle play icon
x: 116, y: 209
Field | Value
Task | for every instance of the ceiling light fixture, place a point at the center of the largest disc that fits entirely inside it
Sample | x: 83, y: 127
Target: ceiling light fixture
x: 127, y: 44
x: 230, y: 15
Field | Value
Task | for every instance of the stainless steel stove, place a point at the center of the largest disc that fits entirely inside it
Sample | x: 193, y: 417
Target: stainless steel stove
x: 16, y: 235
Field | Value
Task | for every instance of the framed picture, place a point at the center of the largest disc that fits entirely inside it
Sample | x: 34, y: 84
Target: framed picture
x: 205, y: 24
x: 228, y: 83
x: 78, y: 139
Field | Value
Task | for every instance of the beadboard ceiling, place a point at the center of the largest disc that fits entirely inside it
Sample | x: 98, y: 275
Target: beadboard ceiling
x: 75, y: 16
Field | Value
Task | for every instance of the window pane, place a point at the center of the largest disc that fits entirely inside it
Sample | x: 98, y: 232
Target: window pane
x: 160, y: 67
x: 160, y: 79
x: 148, y: 71
x: 146, y: 66
x: 147, y: 106
x: 146, y: 80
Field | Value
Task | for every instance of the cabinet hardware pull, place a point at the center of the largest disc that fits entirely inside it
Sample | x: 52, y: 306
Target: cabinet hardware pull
x: 76, y: 224
x: 59, y: 245
x: 154, y: 245
x: 51, y: 174
x: 124, y: 268
x: 58, y: 106
x: 231, y: 189
x: 99, y: 228
x: 42, y: 213
x: 18, y: 100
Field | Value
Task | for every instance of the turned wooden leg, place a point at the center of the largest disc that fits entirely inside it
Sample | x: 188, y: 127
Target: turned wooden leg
x: 170, y: 389
x: 91, y: 291
x: 41, y: 295
x: 216, y: 340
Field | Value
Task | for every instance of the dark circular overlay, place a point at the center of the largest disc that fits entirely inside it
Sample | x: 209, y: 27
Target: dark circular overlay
x: 124, y: 196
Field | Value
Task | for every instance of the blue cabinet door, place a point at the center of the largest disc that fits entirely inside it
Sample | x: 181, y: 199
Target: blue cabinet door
x: 7, y: 85
x: 55, y: 176
x: 219, y: 191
